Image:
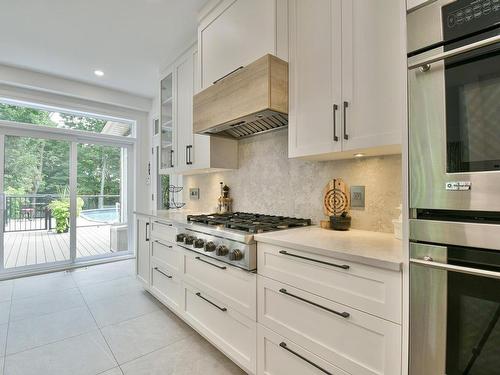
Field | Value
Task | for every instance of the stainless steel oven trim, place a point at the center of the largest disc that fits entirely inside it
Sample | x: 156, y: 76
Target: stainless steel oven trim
x: 428, y: 312
x: 454, y: 52
x: 483, y: 236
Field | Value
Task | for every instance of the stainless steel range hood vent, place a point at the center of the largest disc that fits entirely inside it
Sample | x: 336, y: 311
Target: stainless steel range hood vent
x: 250, y: 101
x: 251, y: 125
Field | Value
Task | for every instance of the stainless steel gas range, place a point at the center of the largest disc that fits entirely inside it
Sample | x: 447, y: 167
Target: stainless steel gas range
x: 229, y: 237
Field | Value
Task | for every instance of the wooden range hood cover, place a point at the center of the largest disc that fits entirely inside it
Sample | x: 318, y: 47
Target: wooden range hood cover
x: 252, y: 100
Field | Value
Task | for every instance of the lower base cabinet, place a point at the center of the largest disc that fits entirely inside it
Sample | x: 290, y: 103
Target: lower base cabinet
x: 232, y: 332
x: 166, y: 285
x: 279, y: 356
x: 353, y: 340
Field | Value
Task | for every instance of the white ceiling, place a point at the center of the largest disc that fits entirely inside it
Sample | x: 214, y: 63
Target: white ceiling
x: 127, y: 39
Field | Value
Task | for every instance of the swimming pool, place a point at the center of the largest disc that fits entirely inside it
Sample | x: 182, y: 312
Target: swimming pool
x: 101, y: 215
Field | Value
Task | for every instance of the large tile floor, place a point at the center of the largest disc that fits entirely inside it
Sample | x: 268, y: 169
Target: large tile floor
x: 97, y: 320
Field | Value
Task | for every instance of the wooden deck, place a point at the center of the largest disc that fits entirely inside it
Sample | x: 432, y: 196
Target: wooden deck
x: 38, y: 247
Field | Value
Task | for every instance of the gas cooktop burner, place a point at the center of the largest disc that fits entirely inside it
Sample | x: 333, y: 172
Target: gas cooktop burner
x: 250, y: 223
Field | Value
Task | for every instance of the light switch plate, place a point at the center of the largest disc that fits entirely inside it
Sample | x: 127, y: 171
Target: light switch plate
x: 194, y: 194
x: 357, y: 196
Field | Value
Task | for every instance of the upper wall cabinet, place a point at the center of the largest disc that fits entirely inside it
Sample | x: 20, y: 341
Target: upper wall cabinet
x: 182, y: 152
x: 347, y: 77
x: 237, y: 32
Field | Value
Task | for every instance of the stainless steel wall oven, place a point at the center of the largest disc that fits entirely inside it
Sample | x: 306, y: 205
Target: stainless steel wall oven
x: 454, y: 154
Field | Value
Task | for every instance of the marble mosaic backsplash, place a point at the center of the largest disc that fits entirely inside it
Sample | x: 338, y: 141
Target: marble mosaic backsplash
x: 268, y: 182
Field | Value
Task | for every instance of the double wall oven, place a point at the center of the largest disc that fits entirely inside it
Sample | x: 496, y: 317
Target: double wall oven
x: 454, y: 154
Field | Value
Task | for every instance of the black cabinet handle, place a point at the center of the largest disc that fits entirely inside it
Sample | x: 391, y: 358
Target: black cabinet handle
x: 228, y: 74
x: 342, y: 314
x: 159, y: 222
x: 188, y: 154
x: 212, y: 264
x: 346, y: 136
x: 147, y: 236
x: 284, y: 346
x: 210, y: 302
x: 171, y: 158
x: 343, y: 266
x: 164, y: 244
x: 163, y: 273
x: 335, y: 138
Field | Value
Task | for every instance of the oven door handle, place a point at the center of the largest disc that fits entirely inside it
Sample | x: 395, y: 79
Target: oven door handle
x: 454, y: 268
x: 424, y: 63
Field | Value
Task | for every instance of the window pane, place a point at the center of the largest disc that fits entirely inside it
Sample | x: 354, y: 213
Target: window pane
x: 102, y: 215
x: 36, y: 217
x: 62, y: 120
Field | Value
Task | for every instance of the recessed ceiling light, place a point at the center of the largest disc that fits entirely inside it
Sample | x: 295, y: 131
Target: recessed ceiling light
x: 98, y: 73
x: 360, y: 155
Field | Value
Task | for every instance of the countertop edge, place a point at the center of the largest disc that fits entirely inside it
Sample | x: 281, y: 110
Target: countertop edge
x: 391, y: 265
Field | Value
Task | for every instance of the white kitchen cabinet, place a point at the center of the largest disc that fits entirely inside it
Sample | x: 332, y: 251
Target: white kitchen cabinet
x: 233, y: 333
x: 315, y: 77
x: 190, y: 153
x: 142, y: 250
x: 166, y: 285
x: 357, y: 342
x: 347, y: 77
x: 237, y: 32
x: 373, y: 290
x: 234, y: 287
x: 167, y: 133
x: 277, y: 355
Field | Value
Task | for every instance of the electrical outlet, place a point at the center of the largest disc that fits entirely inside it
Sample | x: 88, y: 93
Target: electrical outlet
x: 357, y: 196
x: 194, y: 194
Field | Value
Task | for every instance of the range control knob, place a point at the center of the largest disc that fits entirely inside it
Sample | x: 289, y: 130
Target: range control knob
x: 189, y: 240
x: 222, y: 250
x: 199, y: 243
x: 209, y: 246
x: 235, y: 255
x: 180, y: 237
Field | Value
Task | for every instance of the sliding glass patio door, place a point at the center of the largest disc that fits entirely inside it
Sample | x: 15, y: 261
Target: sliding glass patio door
x: 102, y: 206
x: 62, y: 201
x: 36, y: 176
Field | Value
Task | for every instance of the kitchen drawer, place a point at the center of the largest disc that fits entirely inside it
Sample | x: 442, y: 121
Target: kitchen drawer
x: 279, y: 356
x: 166, y: 285
x: 374, y: 290
x: 352, y: 340
x: 163, y: 230
x: 231, y: 285
x: 231, y: 332
x: 167, y: 253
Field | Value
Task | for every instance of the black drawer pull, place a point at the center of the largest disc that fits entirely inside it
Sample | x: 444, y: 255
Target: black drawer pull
x: 284, y: 346
x: 159, y: 222
x: 210, y: 302
x: 163, y: 273
x: 342, y: 314
x: 147, y: 227
x: 163, y: 244
x: 343, y: 266
x: 228, y: 74
x: 212, y: 264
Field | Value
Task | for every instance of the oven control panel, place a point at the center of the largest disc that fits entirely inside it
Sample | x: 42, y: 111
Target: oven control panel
x: 471, y: 12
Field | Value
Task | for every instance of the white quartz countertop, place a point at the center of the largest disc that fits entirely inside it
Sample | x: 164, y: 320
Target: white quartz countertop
x: 371, y: 248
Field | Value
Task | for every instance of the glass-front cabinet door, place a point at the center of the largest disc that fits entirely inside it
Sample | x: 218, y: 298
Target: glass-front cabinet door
x: 167, y: 158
